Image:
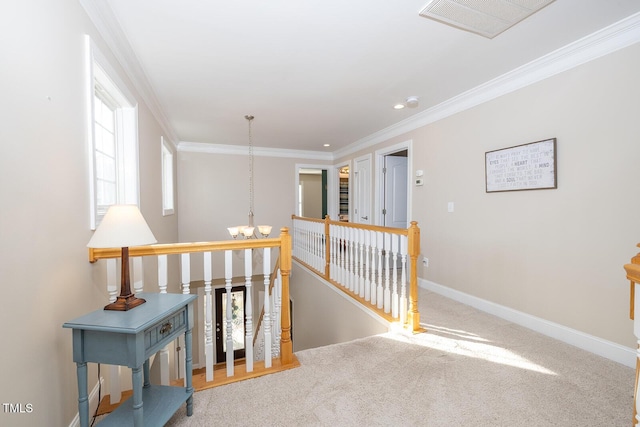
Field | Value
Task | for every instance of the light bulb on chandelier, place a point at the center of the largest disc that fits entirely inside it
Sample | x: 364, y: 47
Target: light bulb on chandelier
x: 248, y: 231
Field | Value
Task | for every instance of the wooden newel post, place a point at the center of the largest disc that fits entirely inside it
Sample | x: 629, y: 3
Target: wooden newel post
x: 413, y: 241
x: 633, y: 274
x: 327, y: 249
x: 286, y: 346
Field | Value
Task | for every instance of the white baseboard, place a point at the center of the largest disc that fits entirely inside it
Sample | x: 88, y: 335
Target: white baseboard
x: 593, y: 344
x: 93, y: 404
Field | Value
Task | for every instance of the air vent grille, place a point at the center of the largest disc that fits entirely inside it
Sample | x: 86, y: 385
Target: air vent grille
x: 485, y: 17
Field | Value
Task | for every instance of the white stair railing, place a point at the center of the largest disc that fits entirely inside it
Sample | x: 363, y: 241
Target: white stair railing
x: 272, y: 334
x: 369, y: 262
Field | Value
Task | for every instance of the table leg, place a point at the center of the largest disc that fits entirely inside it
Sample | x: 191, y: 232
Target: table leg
x: 147, y: 383
x: 189, y: 372
x: 138, y: 410
x: 83, y: 395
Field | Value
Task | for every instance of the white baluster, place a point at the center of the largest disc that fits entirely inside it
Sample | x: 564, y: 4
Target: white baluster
x: 316, y: 241
x: 367, y: 265
x: 404, y: 248
x: 335, y: 253
x: 163, y: 274
x: 163, y: 354
x: 351, y: 279
x: 387, y: 273
x: 185, y: 268
x: 138, y: 275
x: 186, y: 273
x: 332, y: 252
x: 266, y: 320
x: 353, y: 283
x: 313, y: 241
x: 277, y: 320
x: 379, y: 289
x: 372, y: 272
x: 347, y: 257
x: 394, y: 295
x: 339, y: 256
x: 208, y: 321
x: 303, y: 242
x: 353, y: 262
x: 294, y: 239
x: 113, y: 287
x: 307, y: 244
x: 361, y: 263
x: 316, y: 246
x: 321, y: 249
x: 248, y: 312
x: 228, y: 275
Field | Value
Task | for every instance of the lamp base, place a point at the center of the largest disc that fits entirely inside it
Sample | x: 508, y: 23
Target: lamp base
x: 124, y: 303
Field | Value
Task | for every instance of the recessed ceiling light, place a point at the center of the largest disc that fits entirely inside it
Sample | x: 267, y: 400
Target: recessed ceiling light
x: 398, y: 106
x: 327, y: 145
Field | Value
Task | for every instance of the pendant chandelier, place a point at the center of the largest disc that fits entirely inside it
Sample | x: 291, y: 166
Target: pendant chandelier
x: 248, y: 231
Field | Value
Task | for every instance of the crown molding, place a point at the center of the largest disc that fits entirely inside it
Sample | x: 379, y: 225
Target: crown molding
x: 203, y: 147
x: 620, y: 35
x: 105, y: 21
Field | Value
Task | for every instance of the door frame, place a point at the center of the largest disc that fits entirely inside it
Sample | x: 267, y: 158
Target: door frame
x: 379, y: 178
x: 356, y: 216
x: 331, y: 182
x: 335, y: 202
x: 221, y: 356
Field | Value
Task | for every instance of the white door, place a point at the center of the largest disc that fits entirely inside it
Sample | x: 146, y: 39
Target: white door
x: 395, y: 192
x: 362, y: 190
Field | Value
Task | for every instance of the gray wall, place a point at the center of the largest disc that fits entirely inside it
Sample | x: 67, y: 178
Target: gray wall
x: 555, y: 254
x: 44, y: 225
x: 311, y: 195
x: 335, y: 320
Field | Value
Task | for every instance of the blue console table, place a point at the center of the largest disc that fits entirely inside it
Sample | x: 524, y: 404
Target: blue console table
x: 129, y: 338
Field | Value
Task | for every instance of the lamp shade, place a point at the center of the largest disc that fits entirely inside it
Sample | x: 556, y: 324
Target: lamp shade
x: 122, y: 226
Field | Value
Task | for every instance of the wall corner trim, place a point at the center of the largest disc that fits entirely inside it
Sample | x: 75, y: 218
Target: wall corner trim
x: 243, y: 150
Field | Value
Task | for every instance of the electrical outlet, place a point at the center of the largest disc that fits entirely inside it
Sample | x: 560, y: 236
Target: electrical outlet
x: 425, y: 262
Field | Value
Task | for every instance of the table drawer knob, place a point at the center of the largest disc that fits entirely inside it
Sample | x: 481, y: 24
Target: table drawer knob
x: 166, y: 328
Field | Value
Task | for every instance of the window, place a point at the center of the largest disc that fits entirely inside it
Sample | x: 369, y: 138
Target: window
x: 112, y: 137
x: 167, y: 177
x: 106, y: 162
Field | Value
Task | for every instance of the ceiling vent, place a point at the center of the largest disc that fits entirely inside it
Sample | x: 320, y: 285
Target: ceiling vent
x: 485, y: 17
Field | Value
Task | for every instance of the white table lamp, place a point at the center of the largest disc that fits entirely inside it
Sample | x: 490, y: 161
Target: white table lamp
x: 121, y: 227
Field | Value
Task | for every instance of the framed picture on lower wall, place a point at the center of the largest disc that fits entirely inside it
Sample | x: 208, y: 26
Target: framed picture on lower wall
x: 530, y: 166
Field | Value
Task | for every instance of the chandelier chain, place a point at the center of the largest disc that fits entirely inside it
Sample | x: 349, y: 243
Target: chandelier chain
x: 249, y: 119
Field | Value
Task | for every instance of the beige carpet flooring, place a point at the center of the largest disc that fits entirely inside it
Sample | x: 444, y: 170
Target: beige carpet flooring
x: 471, y: 368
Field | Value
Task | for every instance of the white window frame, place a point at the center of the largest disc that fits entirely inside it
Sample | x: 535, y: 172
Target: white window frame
x: 100, y: 73
x: 168, y: 186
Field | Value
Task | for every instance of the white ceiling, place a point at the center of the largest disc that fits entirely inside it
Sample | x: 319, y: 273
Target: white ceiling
x: 315, y: 72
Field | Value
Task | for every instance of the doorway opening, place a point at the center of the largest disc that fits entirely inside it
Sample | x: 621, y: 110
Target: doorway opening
x: 312, y: 196
x: 238, y: 294
x: 343, y: 193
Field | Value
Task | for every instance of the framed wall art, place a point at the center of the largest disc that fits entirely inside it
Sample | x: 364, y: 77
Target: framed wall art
x: 523, y: 167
